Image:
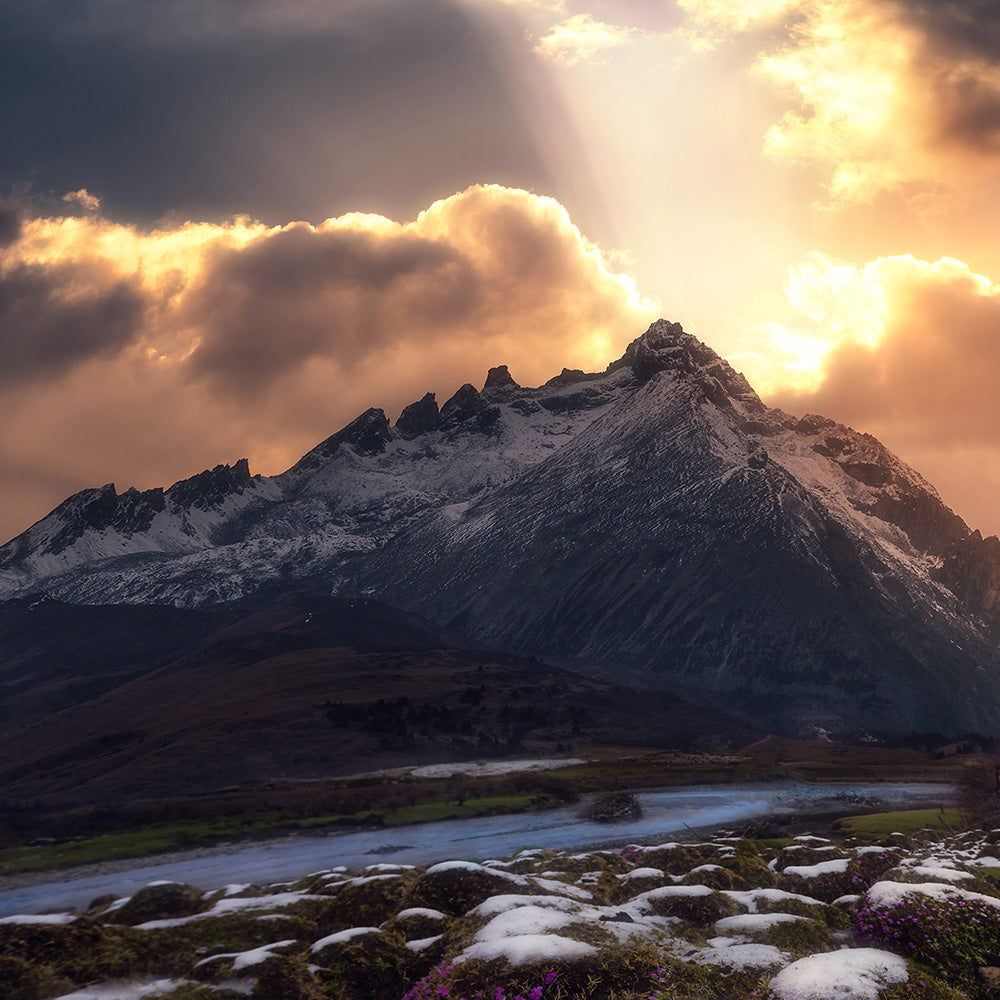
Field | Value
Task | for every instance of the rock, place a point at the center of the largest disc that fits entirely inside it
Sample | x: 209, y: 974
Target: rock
x: 468, y: 409
x: 367, y: 435
x: 989, y: 976
x: 208, y: 489
x: 456, y: 890
x: 499, y: 377
x: 420, y: 417
x: 159, y: 902
x: 614, y: 807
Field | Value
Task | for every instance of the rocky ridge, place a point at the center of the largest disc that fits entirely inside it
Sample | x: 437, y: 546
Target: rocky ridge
x: 657, y: 517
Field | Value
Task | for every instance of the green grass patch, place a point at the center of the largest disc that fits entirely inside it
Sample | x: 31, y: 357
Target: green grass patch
x: 495, y: 805
x: 177, y: 836
x: 877, y: 825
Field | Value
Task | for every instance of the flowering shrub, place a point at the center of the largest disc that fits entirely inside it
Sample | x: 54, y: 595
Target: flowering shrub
x: 687, y: 982
x: 952, y: 936
x: 432, y: 987
x: 631, y: 854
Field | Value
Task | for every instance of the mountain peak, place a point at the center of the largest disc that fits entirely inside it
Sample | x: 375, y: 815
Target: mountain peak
x: 420, y: 417
x: 666, y: 346
x: 367, y: 434
x: 498, y: 378
x: 209, y: 488
x: 468, y: 409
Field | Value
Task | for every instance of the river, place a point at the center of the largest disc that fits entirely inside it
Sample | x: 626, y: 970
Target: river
x: 670, y: 813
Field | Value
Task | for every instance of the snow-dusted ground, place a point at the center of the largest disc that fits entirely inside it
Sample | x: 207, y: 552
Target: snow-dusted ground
x: 483, y: 768
x: 540, y: 914
x: 667, y: 811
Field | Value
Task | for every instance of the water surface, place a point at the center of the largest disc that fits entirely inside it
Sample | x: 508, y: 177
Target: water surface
x: 668, y: 814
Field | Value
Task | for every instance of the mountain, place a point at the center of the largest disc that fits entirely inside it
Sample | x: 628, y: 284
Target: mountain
x: 656, y: 521
x: 106, y: 704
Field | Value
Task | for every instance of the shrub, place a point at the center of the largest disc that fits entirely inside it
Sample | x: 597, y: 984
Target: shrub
x: 952, y: 935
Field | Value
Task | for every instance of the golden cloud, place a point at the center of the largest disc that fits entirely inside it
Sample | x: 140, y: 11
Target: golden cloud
x: 146, y: 356
x: 581, y: 39
x: 910, y: 351
x: 887, y: 96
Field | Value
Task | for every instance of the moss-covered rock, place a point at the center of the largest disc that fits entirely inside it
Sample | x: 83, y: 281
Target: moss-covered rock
x: 366, y: 966
x: 417, y: 923
x: 455, y: 888
x: 369, y: 900
x: 163, y: 901
x: 23, y: 980
x: 700, y: 908
x: 620, y: 972
x: 798, y: 937
x: 829, y: 879
x: 750, y: 871
x: 715, y: 877
x: 679, y: 859
x: 620, y: 889
x: 285, y: 977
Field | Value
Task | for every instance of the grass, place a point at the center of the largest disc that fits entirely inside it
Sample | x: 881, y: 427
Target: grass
x: 168, y: 825
x: 178, y: 836
x: 876, y: 825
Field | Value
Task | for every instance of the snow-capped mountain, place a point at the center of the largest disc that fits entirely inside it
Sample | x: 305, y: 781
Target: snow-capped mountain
x: 656, y: 518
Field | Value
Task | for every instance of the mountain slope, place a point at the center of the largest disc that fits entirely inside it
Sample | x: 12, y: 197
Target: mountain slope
x: 303, y: 687
x: 656, y: 519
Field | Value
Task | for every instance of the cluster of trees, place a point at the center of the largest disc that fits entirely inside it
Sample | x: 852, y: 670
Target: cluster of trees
x: 488, y: 721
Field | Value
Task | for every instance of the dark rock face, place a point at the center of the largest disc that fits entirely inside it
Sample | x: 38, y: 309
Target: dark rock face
x: 419, y: 418
x: 101, y: 509
x: 571, y: 376
x: 208, y: 489
x: 468, y: 409
x: 971, y: 569
x: 367, y: 434
x: 499, y: 378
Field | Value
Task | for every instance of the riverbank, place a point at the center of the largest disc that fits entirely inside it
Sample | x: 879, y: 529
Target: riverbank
x: 675, y: 811
x: 403, y: 796
x: 909, y: 917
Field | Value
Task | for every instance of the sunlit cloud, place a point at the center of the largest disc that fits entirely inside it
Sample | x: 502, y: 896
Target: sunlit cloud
x: 581, y: 39
x: 212, y: 341
x: 886, y: 96
x: 82, y: 199
x: 906, y: 349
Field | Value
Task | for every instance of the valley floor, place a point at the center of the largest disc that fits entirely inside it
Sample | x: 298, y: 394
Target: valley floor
x: 908, y: 915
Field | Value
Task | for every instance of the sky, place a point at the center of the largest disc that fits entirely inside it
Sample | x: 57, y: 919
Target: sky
x: 227, y: 227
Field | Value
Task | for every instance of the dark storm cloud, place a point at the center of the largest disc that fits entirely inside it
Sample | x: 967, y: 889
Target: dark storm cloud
x: 11, y: 219
x: 957, y: 28
x: 304, y: 293
x: 958, y: 65
x: 315, y: 111
x: 45, y: 331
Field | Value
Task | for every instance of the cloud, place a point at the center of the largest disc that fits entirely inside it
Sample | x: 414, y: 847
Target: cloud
x: 911, y: 353
x: 887, y: 96
x: 53, y: 317
x: 10, y: 224
x: 83, y: 199
x: 297, y: 110
x: 581, y: 38
x: 212, y: 341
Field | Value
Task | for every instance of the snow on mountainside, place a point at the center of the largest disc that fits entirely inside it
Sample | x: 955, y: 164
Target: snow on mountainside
x: 190, y: 546
x: 655, y: 517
